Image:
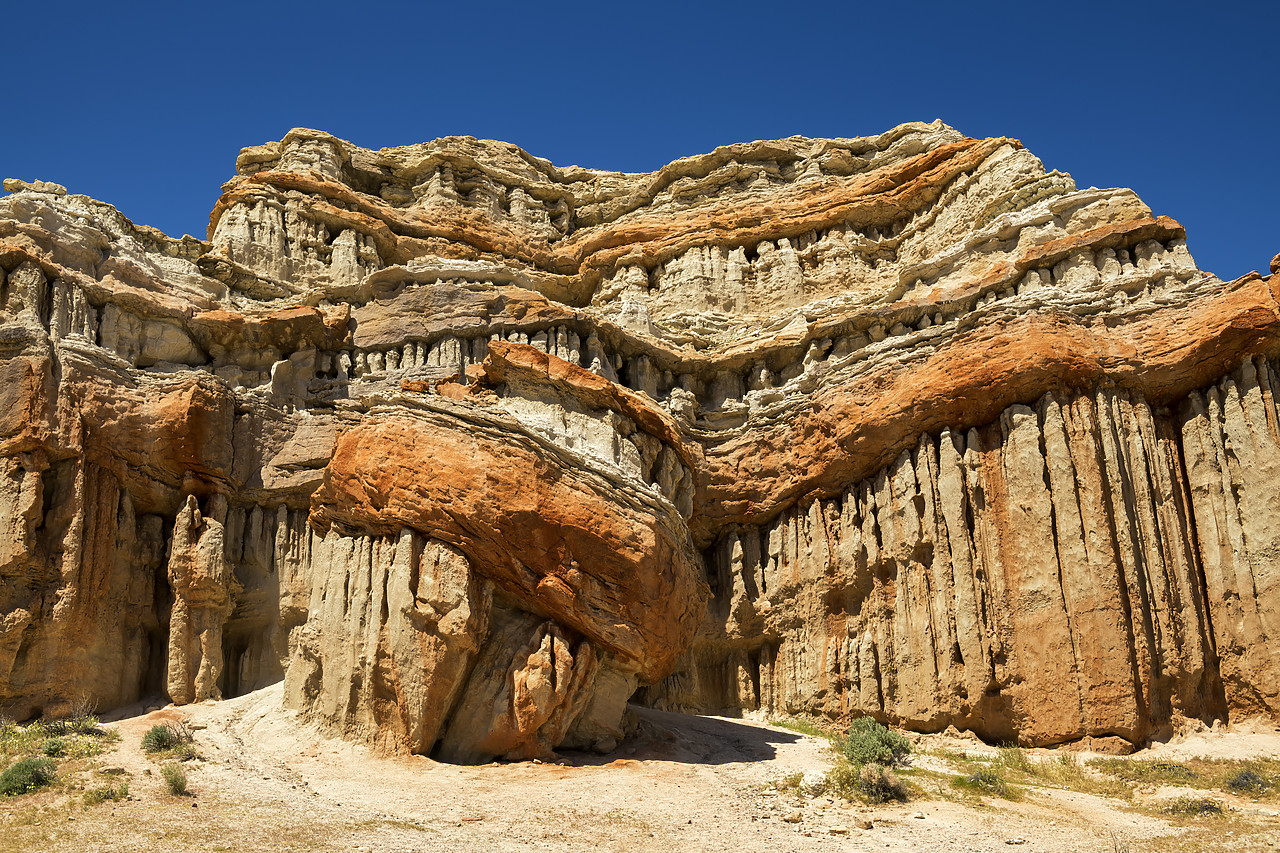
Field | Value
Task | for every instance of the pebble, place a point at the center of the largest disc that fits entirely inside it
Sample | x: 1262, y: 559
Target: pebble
x: 793, y: 817
x: 918, y: 815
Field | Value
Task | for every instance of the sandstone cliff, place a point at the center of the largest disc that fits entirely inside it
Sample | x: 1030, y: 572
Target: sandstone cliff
x: 469, y: 449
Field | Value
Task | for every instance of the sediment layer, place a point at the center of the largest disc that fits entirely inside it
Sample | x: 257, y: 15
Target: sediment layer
x: 470, y: 449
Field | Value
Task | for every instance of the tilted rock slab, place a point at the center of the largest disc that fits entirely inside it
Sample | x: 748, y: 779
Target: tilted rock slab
x: 471, y: 450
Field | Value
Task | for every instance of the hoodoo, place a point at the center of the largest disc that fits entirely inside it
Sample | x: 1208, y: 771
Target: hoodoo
x: 470, y: 450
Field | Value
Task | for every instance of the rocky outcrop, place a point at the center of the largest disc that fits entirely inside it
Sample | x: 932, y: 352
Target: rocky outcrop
x: 470, y: 450
x: 1034, y: 579
x: 203, y: 588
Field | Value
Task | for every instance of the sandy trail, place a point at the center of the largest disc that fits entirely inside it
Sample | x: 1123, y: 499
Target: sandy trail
x: 271, y: 783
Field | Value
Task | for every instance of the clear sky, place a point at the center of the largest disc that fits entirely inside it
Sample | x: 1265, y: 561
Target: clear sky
x: 146, y: 105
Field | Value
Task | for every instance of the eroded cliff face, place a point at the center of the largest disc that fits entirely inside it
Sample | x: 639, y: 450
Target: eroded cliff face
x: 469, y: 450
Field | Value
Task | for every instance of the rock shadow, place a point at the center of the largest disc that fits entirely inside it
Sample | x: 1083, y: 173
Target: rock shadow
x: 690, y: 739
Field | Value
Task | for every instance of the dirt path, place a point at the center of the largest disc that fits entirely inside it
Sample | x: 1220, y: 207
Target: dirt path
x: 270, y: 783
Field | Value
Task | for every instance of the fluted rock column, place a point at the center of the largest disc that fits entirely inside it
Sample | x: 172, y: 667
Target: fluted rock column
x: 203, y: 592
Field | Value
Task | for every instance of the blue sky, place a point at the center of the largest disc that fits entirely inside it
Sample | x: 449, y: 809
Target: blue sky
x: 146, y: 105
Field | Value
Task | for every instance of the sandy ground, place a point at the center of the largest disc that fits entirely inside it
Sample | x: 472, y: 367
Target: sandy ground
x: 270, y: 783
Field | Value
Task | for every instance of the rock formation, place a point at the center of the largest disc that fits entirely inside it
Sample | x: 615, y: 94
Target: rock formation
x: 470, y: 450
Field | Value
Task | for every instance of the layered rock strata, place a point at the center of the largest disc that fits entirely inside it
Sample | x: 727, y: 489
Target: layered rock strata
x: 470, y: 450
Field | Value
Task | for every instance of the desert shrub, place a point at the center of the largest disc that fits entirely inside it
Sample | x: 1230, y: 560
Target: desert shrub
x: 1246, y: 782
x: 869, y: 742
x: 81, y: 718
x: 163, y: 738
x: 986, y: 780
x: 871, y: 782
x: 83, y: 725
x: 877, y: 784
x: 54, y: 747
x: 842, y: 780
x: 83, y: 706
x: 175, y: 778
x: 20, y: 741
x: 1194, y: 807
x: 29, y: 774
x: 158, y: 739
x: 1013, y: 758
x: 94, y: 796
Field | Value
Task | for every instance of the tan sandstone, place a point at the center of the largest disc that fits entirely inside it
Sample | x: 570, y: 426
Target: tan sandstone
x: 470, y: 450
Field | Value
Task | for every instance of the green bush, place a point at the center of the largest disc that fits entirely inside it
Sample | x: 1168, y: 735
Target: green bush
x: 29, y: 774
x: 868, y: 742
x: 165, y: 737
x: 158, y: 739
x: 54, y: 747
x: 175, y: 779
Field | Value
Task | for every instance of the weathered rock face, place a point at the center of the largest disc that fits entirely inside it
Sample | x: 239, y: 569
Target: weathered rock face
x: 470, y: 450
